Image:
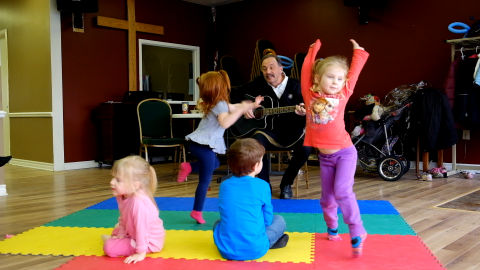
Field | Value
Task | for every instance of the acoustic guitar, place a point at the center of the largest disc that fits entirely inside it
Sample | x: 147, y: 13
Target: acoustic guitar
x: 264, y: 117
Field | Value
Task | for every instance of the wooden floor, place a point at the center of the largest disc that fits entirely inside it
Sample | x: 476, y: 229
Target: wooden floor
x: 37, y: 197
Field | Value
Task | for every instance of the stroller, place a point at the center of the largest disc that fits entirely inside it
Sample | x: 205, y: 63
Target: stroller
x: 381, y: 147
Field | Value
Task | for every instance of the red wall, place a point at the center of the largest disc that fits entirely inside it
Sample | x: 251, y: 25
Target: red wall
x: 405, y: 40
x: 95, y: 67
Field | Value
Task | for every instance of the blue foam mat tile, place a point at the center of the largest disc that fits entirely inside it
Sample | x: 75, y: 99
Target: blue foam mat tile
x: 165, y: 203
x: 185, y: 204
x: 377, y: 208
x: 108, y: 204
x: 280, y: 206
x: 296, y: 206
x: 313, y: 206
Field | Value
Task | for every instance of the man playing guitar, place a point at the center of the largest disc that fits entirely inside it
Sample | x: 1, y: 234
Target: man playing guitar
x: 288, y: 128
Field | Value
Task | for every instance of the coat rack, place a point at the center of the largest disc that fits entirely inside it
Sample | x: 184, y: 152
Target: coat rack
x: 462, y: 44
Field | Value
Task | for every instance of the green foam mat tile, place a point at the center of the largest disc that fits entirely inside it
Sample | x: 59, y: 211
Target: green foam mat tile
x: 374, y: 224
x: 299, y: 222
x: 181, y: 220
x: 172, y: 220
x: 88, y: 219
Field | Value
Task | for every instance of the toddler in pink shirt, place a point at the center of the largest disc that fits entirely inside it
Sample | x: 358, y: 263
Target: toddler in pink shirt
x: 139, y: 230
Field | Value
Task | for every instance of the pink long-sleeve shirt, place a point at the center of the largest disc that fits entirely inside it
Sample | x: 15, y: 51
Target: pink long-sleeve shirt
x: 326, y: 129
x: 139, y: 219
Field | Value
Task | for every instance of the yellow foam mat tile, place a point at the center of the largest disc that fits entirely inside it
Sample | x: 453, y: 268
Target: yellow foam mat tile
x: 199, y: 245
x: 72, y: 241
x: 56, y: 241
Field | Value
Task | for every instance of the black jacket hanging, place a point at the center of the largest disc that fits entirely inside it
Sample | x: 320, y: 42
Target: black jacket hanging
x: 467, y: 96
x: 433, y: 117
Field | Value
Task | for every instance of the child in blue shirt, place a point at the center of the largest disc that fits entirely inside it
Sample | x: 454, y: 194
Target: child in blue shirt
x: 247, y: 227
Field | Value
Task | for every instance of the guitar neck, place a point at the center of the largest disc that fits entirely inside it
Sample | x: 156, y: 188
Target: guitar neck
x: 279, y: 110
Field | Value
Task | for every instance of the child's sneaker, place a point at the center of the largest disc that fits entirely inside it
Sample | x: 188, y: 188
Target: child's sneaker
x: 281, y: 242
x: 425, y: 177
x: 357, y: 245
x: 467, y: 175
x: 197, y: 215
x: 333, y: 235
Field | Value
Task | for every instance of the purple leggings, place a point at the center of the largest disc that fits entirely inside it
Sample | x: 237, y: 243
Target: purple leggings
x: 337, y: 173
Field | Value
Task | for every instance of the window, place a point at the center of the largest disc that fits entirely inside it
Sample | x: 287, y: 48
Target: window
x: 169, y: 68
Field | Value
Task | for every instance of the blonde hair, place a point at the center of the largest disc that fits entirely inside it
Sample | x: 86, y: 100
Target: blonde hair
x: 320, y: 65
x: 136, y: 169
x: 214, y: 87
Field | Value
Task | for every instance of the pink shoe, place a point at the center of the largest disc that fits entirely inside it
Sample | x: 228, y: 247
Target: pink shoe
x: 197, y: 215
x: 185, y: 170
x: 9, y: 236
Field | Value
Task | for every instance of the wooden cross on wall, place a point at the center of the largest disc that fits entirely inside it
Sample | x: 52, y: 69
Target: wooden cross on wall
x: 132, y: 28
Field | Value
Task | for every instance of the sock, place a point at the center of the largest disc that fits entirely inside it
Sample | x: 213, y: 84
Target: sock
x: 357, y: 245
x: 281, y: 242
x: 333, y: 235
x: 197, y: 215
x: 185, y: 170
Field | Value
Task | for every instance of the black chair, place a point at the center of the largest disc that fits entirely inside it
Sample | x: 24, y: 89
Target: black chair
x: 155, y: 120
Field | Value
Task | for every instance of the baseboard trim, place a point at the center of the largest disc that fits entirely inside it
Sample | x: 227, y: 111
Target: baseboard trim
x: 32, y: 164
x: 3, y: 190
x: 80, y: 165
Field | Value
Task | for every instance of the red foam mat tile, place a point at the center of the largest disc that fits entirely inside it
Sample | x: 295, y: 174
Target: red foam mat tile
x: 106, y: 263
x: 392, y: 252
x: 379, y: 252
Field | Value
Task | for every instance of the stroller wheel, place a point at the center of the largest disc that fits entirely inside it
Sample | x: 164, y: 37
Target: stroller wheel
x: 390, y: 168
x: 406, y: 163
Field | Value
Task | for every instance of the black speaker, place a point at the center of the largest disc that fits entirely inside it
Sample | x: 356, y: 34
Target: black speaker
x: 78, y: 6
x: 364, y: 3
x: 363, y: 15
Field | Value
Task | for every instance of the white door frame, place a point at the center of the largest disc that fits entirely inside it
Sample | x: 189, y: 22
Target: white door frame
x: 57, y: 88
x: 5, y: 91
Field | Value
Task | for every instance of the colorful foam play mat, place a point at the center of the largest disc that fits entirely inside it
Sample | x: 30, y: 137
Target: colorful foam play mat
x: 391, y: 243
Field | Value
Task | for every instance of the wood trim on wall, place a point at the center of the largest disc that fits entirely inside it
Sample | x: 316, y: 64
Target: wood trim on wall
x: 30, y: 114
x: 32, y: 164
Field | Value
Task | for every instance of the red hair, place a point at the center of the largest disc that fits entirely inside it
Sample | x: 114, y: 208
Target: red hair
x: 214, y: 87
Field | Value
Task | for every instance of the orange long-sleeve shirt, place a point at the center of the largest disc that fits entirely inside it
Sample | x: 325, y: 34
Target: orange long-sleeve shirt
x: 326, y: 129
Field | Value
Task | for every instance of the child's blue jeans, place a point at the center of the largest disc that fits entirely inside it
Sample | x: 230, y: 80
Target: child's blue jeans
x: 206, y: 164
x: 273, y: 231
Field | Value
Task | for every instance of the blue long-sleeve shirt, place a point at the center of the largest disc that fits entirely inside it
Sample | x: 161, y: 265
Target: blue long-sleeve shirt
x: 245, y: 210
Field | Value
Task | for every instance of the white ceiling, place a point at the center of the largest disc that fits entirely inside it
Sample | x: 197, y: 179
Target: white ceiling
x: 212, y: 3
